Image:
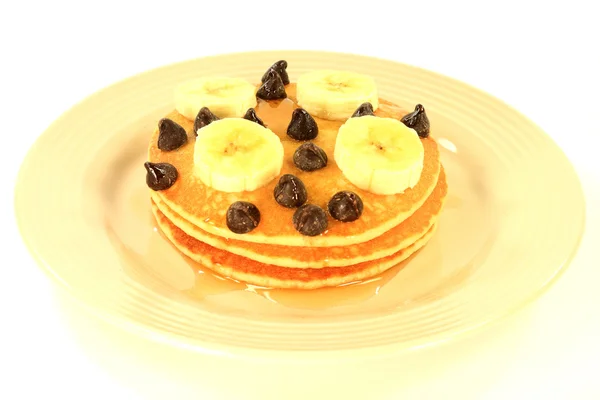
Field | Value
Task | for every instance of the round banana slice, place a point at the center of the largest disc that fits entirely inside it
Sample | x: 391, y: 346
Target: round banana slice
x: 335, y: 95
x: 380, y: 155
x: 225, y: 97
x: 235, y: 155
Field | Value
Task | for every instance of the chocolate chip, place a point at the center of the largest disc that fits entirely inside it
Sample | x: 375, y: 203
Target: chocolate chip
x: 290, y: 192
x: 251, y: 116
x: 345, y: 206
x: 171, y: 135
x: 302, y: 126
x: 160, y: 176
x: 272, y: 88
x: 279, y: 67
x: 242, y: 217
x: 310, y: 220
x: 204, y: 117
x: 310, y: 157
x: 418, y: 121
x: 363, y: 109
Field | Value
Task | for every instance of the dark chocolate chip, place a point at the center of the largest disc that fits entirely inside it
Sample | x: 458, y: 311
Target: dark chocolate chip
x: 345, y: 206
x: 310, y: 157
x: 363, y: 109
x: 418, y: 121
x: 302, y: 126
x: 272, y: 88
x: 290, y: 192
x: 171, y: 135
x: 204, y: 117
x: 279, y: 67
x: 160, y: 176
x: 310, y: 220
x: 242, y: 217
x: 251, y: 116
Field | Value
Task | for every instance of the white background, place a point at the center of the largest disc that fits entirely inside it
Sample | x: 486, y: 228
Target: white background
x: 541, y: 58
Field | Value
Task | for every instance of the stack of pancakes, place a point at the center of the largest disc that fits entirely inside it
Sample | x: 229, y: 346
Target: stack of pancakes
x: 390, y: 229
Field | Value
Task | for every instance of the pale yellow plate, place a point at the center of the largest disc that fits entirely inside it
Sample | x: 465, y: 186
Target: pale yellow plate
x: 512, y: 221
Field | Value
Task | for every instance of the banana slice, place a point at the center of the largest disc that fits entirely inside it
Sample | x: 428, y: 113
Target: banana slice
x: 235, y: 155
x: 225, y: 97
x: 335, y: 95
x: 380, y: 155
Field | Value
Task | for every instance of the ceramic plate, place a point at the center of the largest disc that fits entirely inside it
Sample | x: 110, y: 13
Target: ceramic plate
x: 512, y: 221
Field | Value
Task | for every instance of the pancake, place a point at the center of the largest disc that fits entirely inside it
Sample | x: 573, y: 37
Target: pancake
x: 266, y: 275
x: 399, y: 237
x: 205, y: 207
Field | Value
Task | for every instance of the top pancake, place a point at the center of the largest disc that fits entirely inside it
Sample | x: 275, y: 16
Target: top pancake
x: 206, y: 207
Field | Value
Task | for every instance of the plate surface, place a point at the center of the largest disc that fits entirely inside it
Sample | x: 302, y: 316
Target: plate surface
x: 512, y: 221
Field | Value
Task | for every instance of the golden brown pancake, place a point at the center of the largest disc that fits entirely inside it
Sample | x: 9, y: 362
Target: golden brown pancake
x: 399, y: 237
x: 205, y: 207
x: 266, y: 275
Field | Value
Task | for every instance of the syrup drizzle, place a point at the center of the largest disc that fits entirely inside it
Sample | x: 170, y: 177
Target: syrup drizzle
x: 208, y: 283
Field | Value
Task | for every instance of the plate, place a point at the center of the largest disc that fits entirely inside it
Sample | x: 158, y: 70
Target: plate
x: 512, y: 222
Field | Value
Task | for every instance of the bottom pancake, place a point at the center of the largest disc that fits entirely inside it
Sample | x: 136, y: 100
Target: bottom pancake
x: 272, y: 276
